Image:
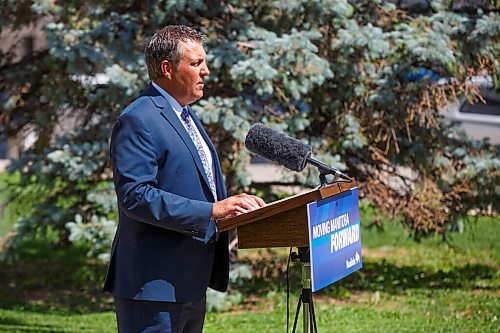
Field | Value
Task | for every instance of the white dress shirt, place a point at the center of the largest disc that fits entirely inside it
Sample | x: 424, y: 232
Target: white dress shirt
x: 178, y: 111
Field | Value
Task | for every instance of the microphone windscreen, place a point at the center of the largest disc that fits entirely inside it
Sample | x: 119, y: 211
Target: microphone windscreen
x: 278, y: 147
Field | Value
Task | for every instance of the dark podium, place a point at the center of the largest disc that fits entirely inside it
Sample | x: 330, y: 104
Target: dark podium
x: 284, y: 223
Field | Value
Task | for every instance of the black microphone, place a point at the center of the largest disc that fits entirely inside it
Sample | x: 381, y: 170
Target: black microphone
x: 277, y: 147
x: 284, y: 150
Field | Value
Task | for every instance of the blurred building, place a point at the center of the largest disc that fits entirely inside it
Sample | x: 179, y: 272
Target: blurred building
x: 16, y: 46
x: 479, y: 120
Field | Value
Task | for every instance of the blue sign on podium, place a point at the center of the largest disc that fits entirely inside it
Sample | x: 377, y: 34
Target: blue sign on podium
x: 334, y: 238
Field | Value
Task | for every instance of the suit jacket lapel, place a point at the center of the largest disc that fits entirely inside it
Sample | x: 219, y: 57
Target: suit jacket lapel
x: 169, y: 114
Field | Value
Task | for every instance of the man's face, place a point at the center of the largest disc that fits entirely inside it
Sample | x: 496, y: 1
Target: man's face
x: 187, y: 80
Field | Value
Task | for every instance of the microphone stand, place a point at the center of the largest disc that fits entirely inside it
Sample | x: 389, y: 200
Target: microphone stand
x: 306, y: 295
x: 325, y: 170
x: 302, y: 257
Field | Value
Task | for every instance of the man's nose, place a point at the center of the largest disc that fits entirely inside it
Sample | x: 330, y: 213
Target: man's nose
x: 205, y: 71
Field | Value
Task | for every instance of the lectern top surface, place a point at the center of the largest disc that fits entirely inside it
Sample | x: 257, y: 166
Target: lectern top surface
x: 283, y: 205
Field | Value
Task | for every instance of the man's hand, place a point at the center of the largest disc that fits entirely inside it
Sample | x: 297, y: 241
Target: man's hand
x: 236, y: 205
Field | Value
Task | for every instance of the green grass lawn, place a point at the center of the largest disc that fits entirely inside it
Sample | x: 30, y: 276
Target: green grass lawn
x: 404, y: 286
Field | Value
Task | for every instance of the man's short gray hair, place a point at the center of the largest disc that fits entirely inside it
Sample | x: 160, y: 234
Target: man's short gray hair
x: 165, y: 45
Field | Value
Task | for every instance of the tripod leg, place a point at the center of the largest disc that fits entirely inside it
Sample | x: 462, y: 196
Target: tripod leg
x: 305, y: 311
x: 314, y: 329
x: 297, y: 314
x: 309, y: 315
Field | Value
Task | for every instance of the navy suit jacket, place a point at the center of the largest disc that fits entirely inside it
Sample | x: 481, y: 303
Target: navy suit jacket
x: 165, y: 205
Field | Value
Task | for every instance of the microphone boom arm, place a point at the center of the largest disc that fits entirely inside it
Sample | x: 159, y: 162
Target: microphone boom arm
x: 326, y: 170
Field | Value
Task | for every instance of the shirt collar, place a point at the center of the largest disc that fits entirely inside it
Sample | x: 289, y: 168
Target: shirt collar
x: 173, y: 103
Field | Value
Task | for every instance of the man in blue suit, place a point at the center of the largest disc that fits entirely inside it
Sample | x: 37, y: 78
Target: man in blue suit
x: 170, y: 191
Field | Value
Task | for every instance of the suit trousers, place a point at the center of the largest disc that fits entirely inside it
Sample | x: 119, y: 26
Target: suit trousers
x: 135, y: 316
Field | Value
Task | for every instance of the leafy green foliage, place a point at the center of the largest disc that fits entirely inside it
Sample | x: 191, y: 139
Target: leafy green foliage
x: 404, y: 286
x: 238, y: 275
x: 331, y: 72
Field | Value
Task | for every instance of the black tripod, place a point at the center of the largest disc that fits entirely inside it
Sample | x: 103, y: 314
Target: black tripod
x: 306, y: 297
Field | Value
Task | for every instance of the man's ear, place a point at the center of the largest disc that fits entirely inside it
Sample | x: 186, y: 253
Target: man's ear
x: 167, y: 69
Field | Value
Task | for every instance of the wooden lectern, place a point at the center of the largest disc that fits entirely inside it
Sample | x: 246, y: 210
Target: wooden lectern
x: 282, y: 223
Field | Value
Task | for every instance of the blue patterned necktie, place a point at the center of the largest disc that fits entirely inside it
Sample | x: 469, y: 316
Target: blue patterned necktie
x: 196, y: 141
